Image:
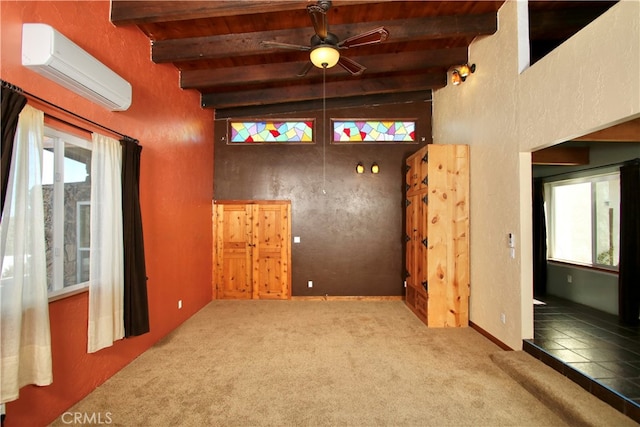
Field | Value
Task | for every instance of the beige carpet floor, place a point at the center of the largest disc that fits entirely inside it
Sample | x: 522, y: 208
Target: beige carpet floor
x: 319, y: 363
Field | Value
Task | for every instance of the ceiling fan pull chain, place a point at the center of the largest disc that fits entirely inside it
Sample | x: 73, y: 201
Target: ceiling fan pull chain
x: 324, y: 130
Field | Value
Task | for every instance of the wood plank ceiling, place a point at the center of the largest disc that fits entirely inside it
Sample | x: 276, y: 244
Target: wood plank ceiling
x: 217, y: 47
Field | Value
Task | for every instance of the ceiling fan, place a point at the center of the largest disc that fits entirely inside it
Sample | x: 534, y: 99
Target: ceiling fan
x: 324, y: 47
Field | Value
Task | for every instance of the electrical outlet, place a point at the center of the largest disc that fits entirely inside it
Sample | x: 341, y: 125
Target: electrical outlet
x: 310, y: 284
x: 503, y: 318
x: 569, y: 278
x: 179, y: 304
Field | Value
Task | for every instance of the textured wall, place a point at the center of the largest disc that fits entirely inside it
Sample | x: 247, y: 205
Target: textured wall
x: 589, y: 83
x: 503, y: 115
x: 351, y: 234
x: 176, y: 191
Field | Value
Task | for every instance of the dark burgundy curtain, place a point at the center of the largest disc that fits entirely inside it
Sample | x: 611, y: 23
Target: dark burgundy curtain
x: 12, y: 104
x: 539, y: 240
x: 629, y: 266
x: 136, y: 307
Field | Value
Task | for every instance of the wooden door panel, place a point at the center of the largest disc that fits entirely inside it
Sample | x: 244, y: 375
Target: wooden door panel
x: 268, y: 282
x: 233, y: 253
x: 411, y: 174
x: 236, y: 224
x: 271, y: 253
x: 421, y: 242
x: 410, y: 238
x: 236, y: 282
x: 422, y: 170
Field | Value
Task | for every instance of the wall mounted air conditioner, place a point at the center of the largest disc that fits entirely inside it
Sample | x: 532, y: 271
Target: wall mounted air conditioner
x: 49, y: 53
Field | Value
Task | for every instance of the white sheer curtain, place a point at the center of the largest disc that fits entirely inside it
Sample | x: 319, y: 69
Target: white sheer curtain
x: 106, y: 277
x: 25, y: 341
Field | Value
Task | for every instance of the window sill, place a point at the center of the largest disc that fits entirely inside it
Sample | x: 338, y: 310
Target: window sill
x: 582, y: 266
x: 68, y: 292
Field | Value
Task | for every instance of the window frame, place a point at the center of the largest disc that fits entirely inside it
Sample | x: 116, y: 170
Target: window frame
x: 307, y: 120
x: 592, y: 178
x: 334, y: 121
x: 59, y: 138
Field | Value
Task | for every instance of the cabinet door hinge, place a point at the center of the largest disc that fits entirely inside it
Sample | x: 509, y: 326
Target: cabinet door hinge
x: 425, y: 199
x: 425, y: 181
x: 407, y: 202
x: 425, y: 158
x: 424, y: 242
x: 425, y: 285
x: 407, y: 238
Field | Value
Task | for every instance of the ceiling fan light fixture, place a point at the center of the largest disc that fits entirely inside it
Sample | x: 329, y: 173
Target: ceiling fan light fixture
x: 324, y: 56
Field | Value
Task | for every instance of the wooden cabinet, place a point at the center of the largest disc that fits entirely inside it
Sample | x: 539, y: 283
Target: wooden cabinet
x: 252, y: 251
x: 437, y: 235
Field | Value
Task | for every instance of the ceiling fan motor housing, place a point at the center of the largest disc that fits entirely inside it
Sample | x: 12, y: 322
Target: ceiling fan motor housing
x: 331, y: 40
x: 324, y: 4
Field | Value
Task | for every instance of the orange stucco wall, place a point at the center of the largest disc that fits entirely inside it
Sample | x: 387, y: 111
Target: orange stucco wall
x: 176, y: 193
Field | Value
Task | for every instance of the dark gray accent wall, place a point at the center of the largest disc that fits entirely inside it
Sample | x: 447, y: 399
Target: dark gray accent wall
x: 350, y: 226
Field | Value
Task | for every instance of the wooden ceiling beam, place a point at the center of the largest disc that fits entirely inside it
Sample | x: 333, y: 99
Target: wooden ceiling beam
x: 143, y: 12
x: 624, y: 132
x: 338, y: 89
x: 258, y: 74
x: 316, y: 104
x: 561, y: 156
x: 126, y: 12
x: 243, y: 44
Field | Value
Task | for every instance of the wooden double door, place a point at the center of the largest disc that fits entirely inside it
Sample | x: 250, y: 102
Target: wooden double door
x: 252, y: 250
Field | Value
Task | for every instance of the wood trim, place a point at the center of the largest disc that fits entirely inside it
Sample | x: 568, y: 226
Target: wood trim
x: 623, y: 132
x: 251, y: 202
x: 316, y: 104
x: 490, y: 337
x: 565, y: 156
x: 140, y: 12
x: 420, y: 81
x: 214, y: 258
x: 347, y: 298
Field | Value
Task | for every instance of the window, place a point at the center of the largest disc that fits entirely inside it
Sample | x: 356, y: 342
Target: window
x: 66, y: 189
x: 583, y: 217
x: 271, y: 131
x: 368, y: 131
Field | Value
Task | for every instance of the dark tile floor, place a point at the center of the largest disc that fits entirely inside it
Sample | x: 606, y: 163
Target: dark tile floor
x: 591, y: 348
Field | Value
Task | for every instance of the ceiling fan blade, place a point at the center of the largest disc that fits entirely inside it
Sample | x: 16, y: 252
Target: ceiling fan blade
x: 351, y: 66
x: 377, y: 35
x: 318, y: 17
x: 278, y: 45
x: 304, y: 70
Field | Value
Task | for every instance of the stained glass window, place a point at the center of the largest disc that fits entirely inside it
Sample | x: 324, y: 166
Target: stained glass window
x: 374, y: 131
x: 271, y: 131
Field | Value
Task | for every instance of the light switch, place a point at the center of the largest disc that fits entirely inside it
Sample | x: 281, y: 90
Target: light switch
x: 296, y: 239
